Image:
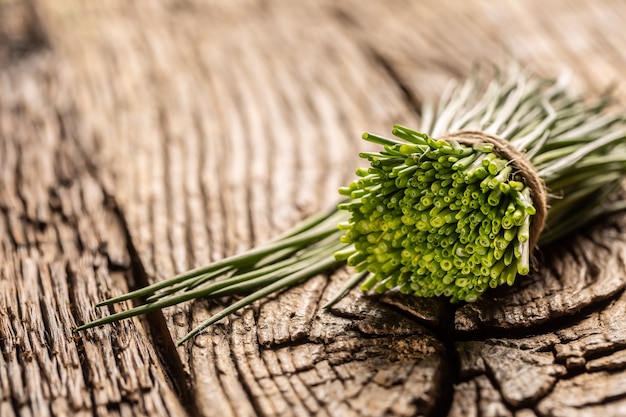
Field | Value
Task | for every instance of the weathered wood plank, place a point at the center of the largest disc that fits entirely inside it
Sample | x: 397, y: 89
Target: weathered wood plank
x: 139, y: 140
x: 63, y: 247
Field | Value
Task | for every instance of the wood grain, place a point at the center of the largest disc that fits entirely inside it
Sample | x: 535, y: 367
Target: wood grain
x: 63, y: 246
x: 138, y: 140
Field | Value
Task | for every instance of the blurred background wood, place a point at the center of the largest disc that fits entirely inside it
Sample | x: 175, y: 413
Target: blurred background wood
x: 138, y: 140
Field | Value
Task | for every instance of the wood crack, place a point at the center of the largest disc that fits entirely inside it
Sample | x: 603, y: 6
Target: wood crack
x: 162, y: 339
x: 413, y: 102
x: 156, y: 326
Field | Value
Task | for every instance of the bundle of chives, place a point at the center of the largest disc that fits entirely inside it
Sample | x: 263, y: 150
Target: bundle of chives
x: 436, y: 217
x: 518, y: 162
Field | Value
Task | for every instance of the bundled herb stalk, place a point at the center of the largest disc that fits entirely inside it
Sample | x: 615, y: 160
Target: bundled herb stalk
x: 445, y: 217
x: 451, y: 210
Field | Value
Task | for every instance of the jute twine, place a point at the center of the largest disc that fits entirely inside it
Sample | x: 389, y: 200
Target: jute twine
x: 504, y: 149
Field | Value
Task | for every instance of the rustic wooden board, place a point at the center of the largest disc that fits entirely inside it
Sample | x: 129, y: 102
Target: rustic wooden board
x: 140, y: 140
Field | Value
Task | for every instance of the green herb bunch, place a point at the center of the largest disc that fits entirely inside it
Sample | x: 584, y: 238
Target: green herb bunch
x: 434, y: 217
x: 450, y: 210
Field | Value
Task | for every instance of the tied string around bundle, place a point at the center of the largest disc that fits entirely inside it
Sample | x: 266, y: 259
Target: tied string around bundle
x: 525, y: 169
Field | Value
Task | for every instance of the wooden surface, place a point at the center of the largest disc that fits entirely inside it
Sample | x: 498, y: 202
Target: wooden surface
x: 140, y: 139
